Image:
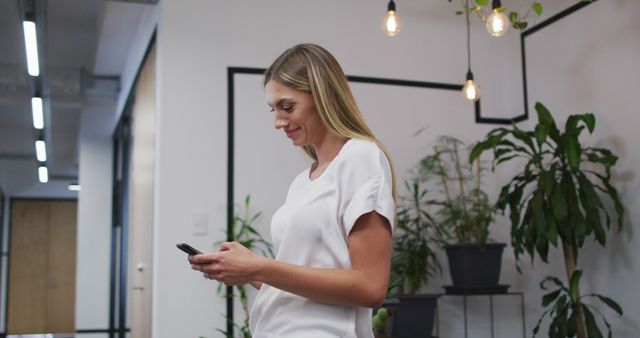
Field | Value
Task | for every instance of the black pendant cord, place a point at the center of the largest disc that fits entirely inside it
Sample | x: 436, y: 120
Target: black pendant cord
x: 468, y: 37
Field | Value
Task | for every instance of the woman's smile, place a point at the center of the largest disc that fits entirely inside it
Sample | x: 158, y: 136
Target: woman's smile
x: 292, y: 133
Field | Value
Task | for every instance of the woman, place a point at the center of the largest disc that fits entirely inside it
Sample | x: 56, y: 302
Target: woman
x: 333, y: 234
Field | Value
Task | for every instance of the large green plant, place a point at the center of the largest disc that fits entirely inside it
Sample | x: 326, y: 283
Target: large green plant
x: 459, y: 204
x: 244, y: 232
x: 556, y: 200
x: 414, y: 259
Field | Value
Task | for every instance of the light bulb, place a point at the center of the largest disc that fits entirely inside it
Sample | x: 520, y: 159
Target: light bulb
x: 497, y: 23
x: 471, y: 91
x: 391, y: 22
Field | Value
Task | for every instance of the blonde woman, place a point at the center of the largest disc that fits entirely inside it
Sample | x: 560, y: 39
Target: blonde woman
x: 333, y: 233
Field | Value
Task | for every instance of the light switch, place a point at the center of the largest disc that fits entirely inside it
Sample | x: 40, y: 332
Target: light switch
x: 200, y: 224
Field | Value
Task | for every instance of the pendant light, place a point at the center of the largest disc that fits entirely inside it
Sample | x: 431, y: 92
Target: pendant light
x: 497, y: 23
x: 391, y: 21
x: 470, y: 90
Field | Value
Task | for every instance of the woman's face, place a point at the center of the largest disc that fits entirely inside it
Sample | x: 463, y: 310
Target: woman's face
x: 295, y: 113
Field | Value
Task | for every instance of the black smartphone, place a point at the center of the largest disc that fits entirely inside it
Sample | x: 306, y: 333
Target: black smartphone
x: 188, y: 249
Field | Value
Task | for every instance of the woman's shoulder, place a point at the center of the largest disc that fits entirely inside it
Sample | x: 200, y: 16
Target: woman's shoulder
x: 363, y: 148
x: 365, y: 155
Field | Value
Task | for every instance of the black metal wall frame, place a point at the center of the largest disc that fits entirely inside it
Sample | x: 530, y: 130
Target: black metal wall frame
x: 232, y: 71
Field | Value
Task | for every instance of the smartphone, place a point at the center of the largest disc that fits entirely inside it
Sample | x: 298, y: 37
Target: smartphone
x: 188, y: 249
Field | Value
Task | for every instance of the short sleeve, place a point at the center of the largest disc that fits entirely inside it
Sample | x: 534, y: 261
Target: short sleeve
x: 368, y: 178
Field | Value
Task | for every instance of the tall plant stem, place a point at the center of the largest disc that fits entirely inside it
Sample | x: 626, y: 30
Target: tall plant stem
x: 478, y: 183
x: 443, y: 177
x: 461, y: 182
x: 570, y: 264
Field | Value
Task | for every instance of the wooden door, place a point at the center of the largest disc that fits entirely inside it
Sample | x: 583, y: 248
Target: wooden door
x: 42, y: 267
x: 141, y: 201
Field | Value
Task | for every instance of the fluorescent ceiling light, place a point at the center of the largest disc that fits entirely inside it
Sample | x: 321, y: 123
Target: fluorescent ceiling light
x: 41, y: 151
x: 74, y: 187
x: 43, y: 174
x: 38, y: 115
x: 31, y: 44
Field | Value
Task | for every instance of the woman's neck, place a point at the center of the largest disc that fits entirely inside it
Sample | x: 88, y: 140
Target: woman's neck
x: 328, y: 148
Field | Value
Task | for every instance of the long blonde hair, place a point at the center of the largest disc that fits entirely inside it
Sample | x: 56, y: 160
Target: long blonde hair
x: 311, y: 68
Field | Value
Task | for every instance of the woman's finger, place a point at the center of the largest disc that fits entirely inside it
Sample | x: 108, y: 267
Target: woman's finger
x: 205, y: 258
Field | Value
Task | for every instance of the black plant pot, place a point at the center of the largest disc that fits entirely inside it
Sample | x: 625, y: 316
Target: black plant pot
x: 413, y: 316
x: 473, y: 266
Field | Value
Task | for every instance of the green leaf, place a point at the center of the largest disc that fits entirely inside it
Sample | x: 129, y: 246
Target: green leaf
x: 501, y: 9
x: 592, y: 327
x: 478, y: 149
x: 520, y: 25
x: 542, y: 130
x: 537, y: 7
x: 574, y: 283
x: 513, y: 17
x: 611, y: 303
x: 552, y: 233
x: 524, y: 137
x: 572, y: 123
x: 573, y: 153
x: 459, y: 12
x: 613, y: 194
x: 550, y: 297
x: 545, y: 117
x: 554, y: 280
x: 558, y: 204
x: 482, y: 2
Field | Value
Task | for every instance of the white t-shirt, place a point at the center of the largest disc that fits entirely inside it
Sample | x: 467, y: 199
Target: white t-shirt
x: 311, y: 229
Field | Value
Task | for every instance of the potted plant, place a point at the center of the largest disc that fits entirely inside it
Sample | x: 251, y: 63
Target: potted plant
x: 414, y: 263
x: 463, y: 212
x: 556, y: 201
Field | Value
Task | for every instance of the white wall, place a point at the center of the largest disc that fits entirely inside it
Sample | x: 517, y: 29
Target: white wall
x: 199, y: 39
x: 193, y: 58
x: 94, y: 216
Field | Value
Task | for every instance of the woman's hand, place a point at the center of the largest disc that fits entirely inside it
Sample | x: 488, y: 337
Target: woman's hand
x: 234, y: 264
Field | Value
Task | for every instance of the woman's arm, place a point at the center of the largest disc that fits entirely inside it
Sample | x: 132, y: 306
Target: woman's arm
x: 365, y: 284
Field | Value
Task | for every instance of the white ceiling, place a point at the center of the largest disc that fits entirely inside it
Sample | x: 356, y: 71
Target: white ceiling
x: 81, y: 38
x: 94, y: 35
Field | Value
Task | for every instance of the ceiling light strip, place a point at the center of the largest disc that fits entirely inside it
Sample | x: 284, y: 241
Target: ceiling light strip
x: 41, y: 151
x: 31, y: 44
x: 37, y: 112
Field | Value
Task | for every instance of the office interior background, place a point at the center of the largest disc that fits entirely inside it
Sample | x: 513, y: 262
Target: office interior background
x: 146, y: 103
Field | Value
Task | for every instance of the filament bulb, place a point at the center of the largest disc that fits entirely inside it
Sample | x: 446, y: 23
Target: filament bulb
x: 497, y: 23
x: 471, y: 91
x: 391, y: 23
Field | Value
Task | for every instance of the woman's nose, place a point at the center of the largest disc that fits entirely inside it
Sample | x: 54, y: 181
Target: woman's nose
x: 280, y: 123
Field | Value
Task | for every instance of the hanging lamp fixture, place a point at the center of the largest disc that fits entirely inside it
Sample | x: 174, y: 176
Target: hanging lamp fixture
x: 497, y: 23
x: 391, y: 21
x: 470, y: 90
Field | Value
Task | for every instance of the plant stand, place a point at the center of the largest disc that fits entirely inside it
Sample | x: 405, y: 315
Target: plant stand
x: 479, y: 292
